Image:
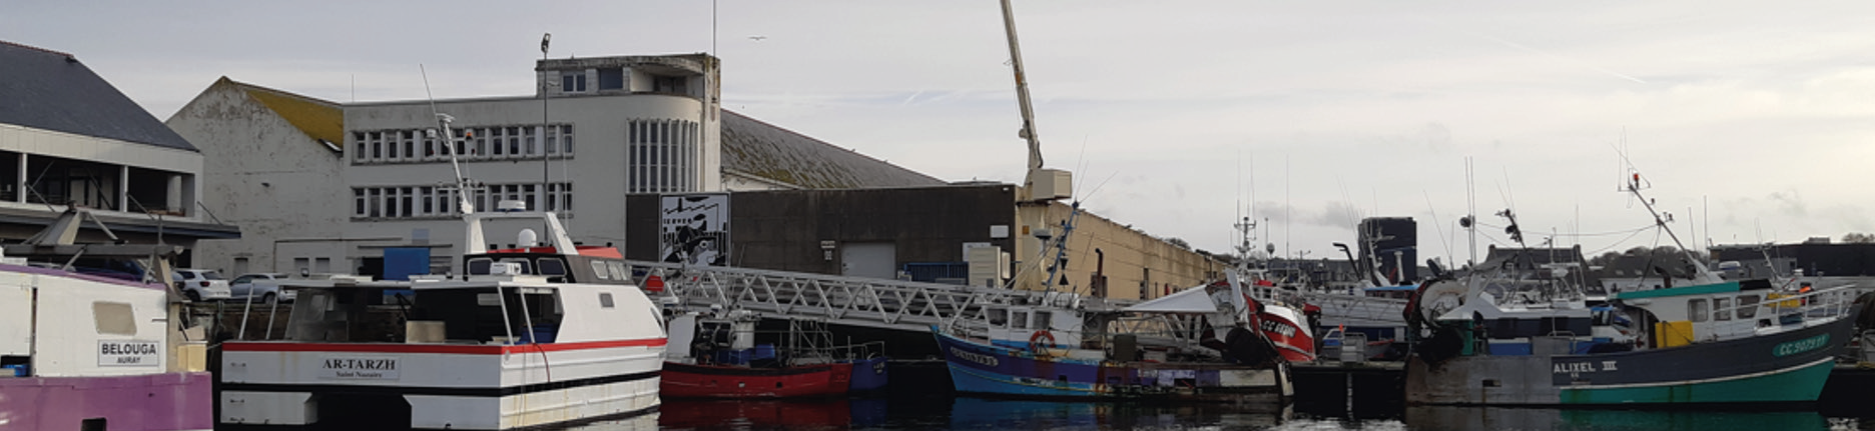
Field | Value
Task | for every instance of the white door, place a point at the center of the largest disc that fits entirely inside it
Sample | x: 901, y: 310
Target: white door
x: 869, y: 259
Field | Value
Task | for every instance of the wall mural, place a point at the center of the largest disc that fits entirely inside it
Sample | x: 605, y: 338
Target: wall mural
x: 694, y: 229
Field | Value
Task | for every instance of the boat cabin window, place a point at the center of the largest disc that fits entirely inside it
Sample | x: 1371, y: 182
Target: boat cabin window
x: 551, y: 266
x: 1722, y: 309
x: 349, y: 315
x: 1696, y: 310
x: 998, y: 316
x: 478, y: 266
x: 113, y: 318
x: 1747, y: 306
x: 1019, y: 320
x: 1042, y: 320
x: 598, y: 269
x: 474, y: 315
x: 617, y: 269
x: 605, y: 300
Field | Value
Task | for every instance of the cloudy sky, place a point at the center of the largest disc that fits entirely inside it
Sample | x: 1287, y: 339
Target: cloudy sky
x: 1752, y: 121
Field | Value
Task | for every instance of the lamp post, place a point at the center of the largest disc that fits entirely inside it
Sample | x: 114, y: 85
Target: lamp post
x: 546, y: 158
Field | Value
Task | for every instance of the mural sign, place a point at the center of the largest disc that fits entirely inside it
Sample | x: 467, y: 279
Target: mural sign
x: 694, y: 229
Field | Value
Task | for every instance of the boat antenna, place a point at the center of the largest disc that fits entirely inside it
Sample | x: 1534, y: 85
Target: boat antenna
x: 1633, y: 187
x: 463, y: 186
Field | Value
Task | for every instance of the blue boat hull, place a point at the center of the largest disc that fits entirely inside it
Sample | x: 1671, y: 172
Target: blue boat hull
x: 986, y: 369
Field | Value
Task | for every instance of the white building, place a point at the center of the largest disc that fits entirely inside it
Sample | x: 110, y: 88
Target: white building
x: 68, y: 137
x: 326, y: 187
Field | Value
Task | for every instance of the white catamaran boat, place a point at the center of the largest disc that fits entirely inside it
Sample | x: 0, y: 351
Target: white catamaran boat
x: 528, y: 338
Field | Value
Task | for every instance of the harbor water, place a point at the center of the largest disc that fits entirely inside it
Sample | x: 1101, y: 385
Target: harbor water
x: 1327, y: 399
x: 946, y: 412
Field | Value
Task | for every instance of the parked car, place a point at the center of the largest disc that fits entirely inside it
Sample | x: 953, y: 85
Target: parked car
x: 201, y: 284
x: 263, y: 286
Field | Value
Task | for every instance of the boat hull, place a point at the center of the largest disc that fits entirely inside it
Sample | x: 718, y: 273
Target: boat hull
x: 1287, y: 333
x: 985, y: 369
x: 868, y: 375
x: 1790, y: 366
x: 155, y: 402
x: 720, y: 381
x: 437, y: 386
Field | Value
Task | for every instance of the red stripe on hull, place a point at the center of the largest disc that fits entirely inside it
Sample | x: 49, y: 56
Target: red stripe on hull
x: 715, y: 381
x: 458, y: 349
x: 1294, y: 344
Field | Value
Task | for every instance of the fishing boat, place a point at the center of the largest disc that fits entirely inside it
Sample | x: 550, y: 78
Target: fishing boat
x: 527, y: 337
x: 719, y: 357
x: 1205, y: 348
x: 82, y: 351
x: 1517, y: 333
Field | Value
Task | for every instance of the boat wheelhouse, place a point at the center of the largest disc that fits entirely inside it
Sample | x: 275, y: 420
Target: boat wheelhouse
x: 83, y: 351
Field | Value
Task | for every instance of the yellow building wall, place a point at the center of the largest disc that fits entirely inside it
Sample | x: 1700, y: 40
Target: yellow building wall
x: 1132, y: 258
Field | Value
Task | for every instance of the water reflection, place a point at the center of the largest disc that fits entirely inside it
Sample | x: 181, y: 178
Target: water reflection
x: 1544, y: 419
x: 811, y: 414
x: 982, y: 413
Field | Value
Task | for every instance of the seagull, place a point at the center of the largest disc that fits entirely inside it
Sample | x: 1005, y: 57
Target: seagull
x: 758, y: 38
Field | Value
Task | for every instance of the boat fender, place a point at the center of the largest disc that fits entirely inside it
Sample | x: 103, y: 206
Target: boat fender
x: 1035, y: 341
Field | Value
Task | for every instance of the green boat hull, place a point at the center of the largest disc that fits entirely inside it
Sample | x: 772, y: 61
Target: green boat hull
x: 1797, y: 385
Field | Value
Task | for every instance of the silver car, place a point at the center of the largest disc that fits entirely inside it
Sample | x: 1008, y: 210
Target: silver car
x: 263, y: 286
x: 201, y: 284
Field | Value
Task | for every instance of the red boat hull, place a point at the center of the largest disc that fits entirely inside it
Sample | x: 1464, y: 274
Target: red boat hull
x: 718, y: 381
x: 1294, y: 344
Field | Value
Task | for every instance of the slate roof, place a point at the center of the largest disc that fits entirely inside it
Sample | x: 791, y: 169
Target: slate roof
x: 52, y: 90
x: 764, y: 150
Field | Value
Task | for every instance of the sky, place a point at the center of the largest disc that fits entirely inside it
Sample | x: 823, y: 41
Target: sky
x: 1749, y: 122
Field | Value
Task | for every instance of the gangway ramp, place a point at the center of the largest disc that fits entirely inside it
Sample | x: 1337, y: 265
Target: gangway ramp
x: 857, y: 301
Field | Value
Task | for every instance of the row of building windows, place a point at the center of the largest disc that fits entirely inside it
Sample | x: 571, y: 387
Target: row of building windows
x: 472, y: 143
x: 434, y: 201
x: 663, y: 156
x: 613, y: 78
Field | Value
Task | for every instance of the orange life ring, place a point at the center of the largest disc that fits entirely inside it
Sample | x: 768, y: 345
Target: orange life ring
x: 1036, y: 340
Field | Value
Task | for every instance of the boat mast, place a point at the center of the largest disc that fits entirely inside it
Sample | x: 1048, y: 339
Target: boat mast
x: 1700, y: 272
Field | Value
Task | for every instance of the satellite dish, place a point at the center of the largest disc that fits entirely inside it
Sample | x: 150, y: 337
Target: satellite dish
x: 527, y: 238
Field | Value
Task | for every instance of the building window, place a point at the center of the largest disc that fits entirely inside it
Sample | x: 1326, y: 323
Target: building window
x: 530, y: 135
x: 573, y: 82
x: 376, y: 201
x: 408, y: 194
x: 566, y: 138
x: 358, y: 202
x: 661, y: 156
x: 481, y: 143
x: 428, y: 196
x: 612, y: 78
x: 358, y: 147
x: 514, y: 141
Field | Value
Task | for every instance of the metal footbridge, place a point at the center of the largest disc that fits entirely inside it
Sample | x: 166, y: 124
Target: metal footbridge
x: 911, y: 305
x: 856, y: 301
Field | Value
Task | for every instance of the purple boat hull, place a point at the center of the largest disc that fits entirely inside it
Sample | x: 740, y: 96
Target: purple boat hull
x: 151, y: 402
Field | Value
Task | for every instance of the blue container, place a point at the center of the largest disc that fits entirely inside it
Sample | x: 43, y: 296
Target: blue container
x: 19, y: 370
x: 764, y: 351
x: 733, y: 357
x: 545, y: 333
